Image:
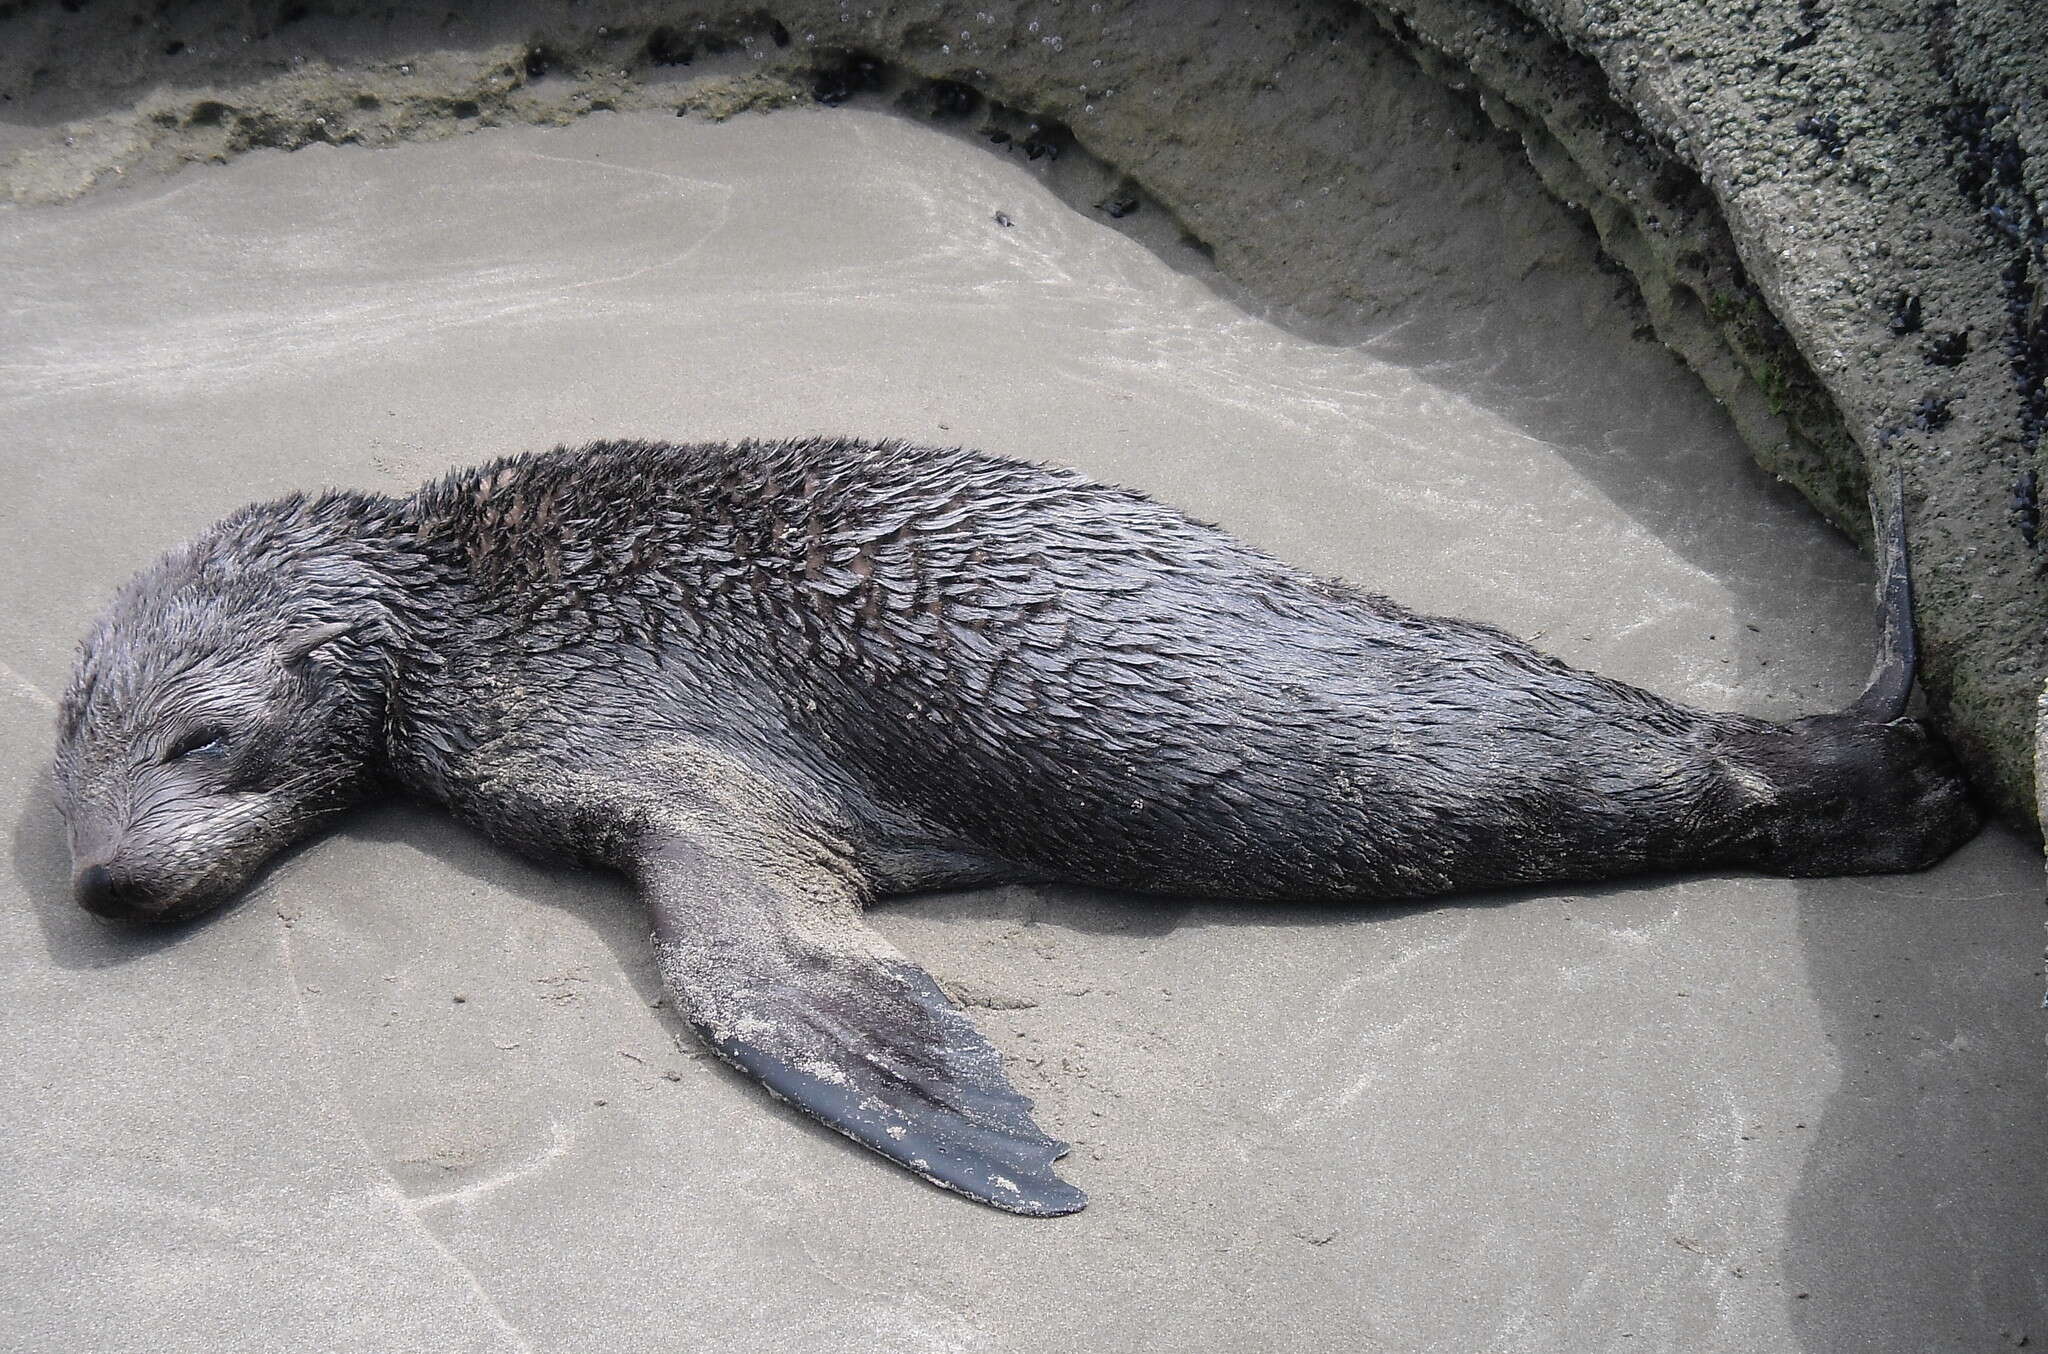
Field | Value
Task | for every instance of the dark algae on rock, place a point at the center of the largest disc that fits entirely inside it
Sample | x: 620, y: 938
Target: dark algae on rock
x: 774, y: 681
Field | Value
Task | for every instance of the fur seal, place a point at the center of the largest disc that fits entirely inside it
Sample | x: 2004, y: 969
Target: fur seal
x: 773, y: 681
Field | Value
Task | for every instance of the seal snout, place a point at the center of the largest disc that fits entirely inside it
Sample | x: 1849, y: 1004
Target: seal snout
x: 105, y: 894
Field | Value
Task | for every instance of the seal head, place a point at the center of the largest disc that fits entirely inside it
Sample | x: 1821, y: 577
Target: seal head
x: 209, y: 723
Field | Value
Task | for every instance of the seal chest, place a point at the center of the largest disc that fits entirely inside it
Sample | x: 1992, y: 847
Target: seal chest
x: 773, y: 681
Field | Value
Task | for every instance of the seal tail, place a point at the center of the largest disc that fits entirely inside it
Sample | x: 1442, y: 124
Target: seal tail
x: 1898, y: 655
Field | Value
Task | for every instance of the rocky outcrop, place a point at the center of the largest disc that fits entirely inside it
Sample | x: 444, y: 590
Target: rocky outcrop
x: 1831, y: 212
x: 1874, y: 177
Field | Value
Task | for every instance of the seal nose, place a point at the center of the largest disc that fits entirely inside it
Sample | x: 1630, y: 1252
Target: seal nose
x: 103, y: 895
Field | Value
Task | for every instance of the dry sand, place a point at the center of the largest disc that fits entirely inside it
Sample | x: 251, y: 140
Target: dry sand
x: 415, y: 1095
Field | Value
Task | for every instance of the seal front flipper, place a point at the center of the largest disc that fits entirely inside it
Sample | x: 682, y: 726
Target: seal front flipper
x: 767, y: 955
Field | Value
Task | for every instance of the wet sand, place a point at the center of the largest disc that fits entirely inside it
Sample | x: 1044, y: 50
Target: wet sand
x: 1697, y: 1113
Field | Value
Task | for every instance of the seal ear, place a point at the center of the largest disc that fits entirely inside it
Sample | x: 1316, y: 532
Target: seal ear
x: 295, y: 646
x: 769, y: 960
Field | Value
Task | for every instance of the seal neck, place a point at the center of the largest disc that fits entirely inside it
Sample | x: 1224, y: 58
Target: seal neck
x: 362, y: 564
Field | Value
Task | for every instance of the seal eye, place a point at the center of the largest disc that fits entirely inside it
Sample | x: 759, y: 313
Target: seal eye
x: 205, y: 738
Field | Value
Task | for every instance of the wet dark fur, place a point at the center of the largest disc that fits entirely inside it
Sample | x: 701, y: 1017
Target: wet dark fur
x: 770, y: 682
x: 982, y: 669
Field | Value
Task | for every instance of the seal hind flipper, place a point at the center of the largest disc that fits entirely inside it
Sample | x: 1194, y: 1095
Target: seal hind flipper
x: 1891, y: 675
x: 770, y: 961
